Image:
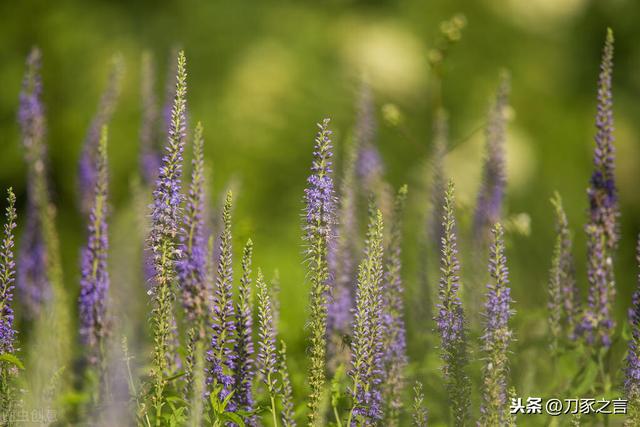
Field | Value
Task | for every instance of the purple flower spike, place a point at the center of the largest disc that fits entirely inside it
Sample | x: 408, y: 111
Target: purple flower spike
x: 319, y: 221
x: 450, y: 318
x: 603, y: 198
x: 369, y: 162
x: 166, y: 219
x: 602, y: 228
x: 7, y: 277
x: 150, y: 155
x: 192, y: 267
x: 33, y: 285
x: 94, y: 279
x: 342, y: 259
x: 221, y: 357
x: 564, y: 303
x: 431, y: 235
x: 319, y: 195
x: 497, y: 337
x: 367, y: 353
x: 87, y: 173
x: 395, y: 340
x: 490, y: 197
x: 244, y: 344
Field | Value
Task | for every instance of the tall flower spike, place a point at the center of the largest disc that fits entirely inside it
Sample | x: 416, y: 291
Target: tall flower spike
x: 431, y: 236
x: 150, y: 156
x: 244, y: 344
x: 369, y: 163
x: 367, y: 353
x: 191, y: 268
x: 342, y: 264
x: 165, y: 218
x: 497, y: 336
x: 87, y: 173
x: 7, y: 331
x: 602, y: 228
x: 490, y: 196
x: 450, y: 319
x: 288, y: 413
x: 603, y: 198
x: 395, y: 332
x: 563, y: 293
x: 7, y: 277
x: 632, y: 369
x: 419, y: 413
x: 33, y: 285
x: 267, y: 355
x: 319, y: 219
x: 220, y: 357
x: 438, y: 180
x: 94, y: 273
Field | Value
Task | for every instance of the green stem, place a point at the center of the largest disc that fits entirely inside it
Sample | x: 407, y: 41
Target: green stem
x: 273, y: 411
x: 335, y: 413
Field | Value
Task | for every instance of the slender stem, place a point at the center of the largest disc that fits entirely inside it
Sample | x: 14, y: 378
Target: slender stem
x: 271, y: 388
x: 273, y: 411
x: 335, y: 413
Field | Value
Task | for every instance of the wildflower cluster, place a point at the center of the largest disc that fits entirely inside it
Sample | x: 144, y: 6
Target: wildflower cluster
x: 217, y: 354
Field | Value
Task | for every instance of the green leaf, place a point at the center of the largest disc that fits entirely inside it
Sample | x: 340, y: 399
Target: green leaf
x: 215, y: 403
x: 587, y: 379
x: 10, y: 358
x: 226, y: 400
x: 176, y: 376
x: 234, y: 418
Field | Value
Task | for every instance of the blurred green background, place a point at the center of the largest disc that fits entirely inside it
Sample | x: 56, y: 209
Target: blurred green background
x: 262, y: 73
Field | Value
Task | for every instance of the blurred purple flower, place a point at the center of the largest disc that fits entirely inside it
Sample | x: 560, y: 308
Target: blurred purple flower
x: 87, y: 173
x: 32, y: 282
x: 493, y: 185
x: 191, y: 268
x: 150, y: 155
x: 94, y: 273
x: 564, y: 303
